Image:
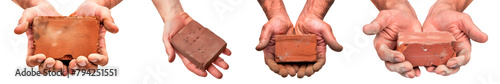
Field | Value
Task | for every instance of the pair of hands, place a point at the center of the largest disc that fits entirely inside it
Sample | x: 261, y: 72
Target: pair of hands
x: 306, y: 24
x: 43, y: 8
x: 402, y: 18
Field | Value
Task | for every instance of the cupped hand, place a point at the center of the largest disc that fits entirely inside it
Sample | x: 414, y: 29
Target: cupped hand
x: 278, y: 25
x: 386, y: 26
x: 92, y: 8
x: 42, y: 8
x: 323, y: 31
x: 460, y: 25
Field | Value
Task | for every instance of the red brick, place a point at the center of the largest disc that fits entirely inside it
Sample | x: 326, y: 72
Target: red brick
x: 295, y: 48
x: 426, y: 48
x: 66, y: 38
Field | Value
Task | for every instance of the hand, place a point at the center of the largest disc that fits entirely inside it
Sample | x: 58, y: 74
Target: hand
x: 173, y: 25
x: 35, y: 8
x: 276, y: 26
x: 390, y: 21
x: 93, y: 8
x: 175, y: 19
x: 323, y: 31
x: 441, y: 18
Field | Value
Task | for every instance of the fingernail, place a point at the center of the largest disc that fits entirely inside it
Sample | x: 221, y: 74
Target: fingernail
x: 39, y: 60
x: 76, y: 67
x: 397, y: 60
x: 405, y: 70
x: 95, y: 60
x: 82, y: 63
x: 406, y: 75
x: 49, y: 65
x: 454, y: 66
x: 442, y: 73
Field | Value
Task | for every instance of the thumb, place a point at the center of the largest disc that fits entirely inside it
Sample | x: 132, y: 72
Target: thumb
x: 105, y: 16
x: 376, y: 25
x: 472, y: 30
x: 265, y: 36
x: 330, y: 38
x: 24, y: 22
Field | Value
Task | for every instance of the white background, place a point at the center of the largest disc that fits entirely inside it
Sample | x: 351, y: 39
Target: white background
x: 138, y: 52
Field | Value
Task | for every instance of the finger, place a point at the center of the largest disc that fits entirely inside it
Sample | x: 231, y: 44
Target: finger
x: 409, y: 74
x: 216, y: 73
x: 472, y: 30
x: 72, y: 65
x: 330, y: 39
x: 265, y: 36
x: 302, y: 71
x: 83, y: 63
x: 49, y: 63
x: 445, y: 71
x: 290, y: 69
x: 387, y: 54
x: 35, y: 60
x: 227, y: 52
x: 376, y: 25
x: 399, y: 67
x: 272, y: 65
x: 191, y: 67
x: 318, y: 65
x: 430, y: 68
x: 295, y: 67
x: 169, y: 49
x: 98, y: 59
x: 25, y: 21
x: 221, y: 63
x: 309, y: 70
x: 282, y: 71
x: 64, y: 68
x: 417, y: 71
x: 462, y: 58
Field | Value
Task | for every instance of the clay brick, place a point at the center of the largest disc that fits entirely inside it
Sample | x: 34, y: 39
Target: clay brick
x: 66, y: 38
x: 198, y: 44
x: 426, y: 48
x: 295, y: 48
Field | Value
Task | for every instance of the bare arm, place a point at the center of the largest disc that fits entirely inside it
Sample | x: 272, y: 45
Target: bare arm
x: 316, y: 8
x: 107, y: 3
x: 273, y: 8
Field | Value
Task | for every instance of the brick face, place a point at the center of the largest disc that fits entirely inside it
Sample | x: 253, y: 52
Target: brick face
x: 66, y: 38
x: 295, y: 48
x: 426, y: 48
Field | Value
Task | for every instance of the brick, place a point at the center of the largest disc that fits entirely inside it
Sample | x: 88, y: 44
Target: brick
x: 66, y: 38
x: 295, y: 48
x: 426, y: 48
x: 198, y: 44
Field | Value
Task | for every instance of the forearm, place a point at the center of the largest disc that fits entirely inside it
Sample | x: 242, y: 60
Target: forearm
x: 457, y: 5
x: 168, y: 8
x: 29, y: 3
x: 393, y: 4
x: 316, y: 8
x: 106, y: 3
x: 273, y: 8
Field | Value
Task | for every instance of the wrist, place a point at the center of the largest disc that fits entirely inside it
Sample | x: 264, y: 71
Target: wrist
x: 403, y: 5
x: 106, y: 3
x: 316, y: 8
x: 273, y: 8
x: 30, y: 3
